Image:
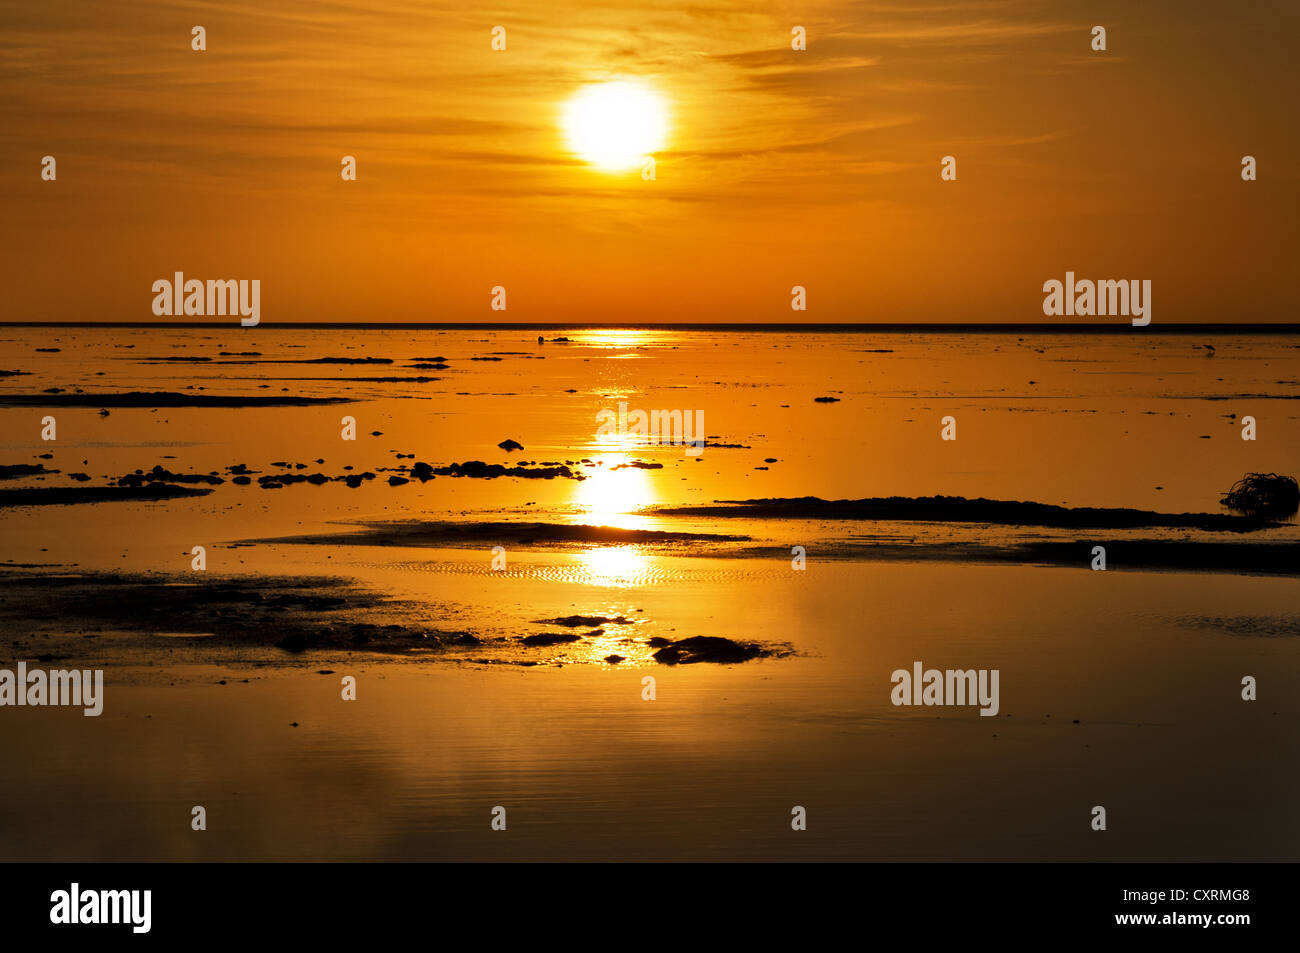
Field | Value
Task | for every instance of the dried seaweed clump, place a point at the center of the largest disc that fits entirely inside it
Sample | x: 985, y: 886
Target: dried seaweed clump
x: 1268, y: 495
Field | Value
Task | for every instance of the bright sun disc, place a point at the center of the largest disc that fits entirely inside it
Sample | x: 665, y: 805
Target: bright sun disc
x: 616, y: 125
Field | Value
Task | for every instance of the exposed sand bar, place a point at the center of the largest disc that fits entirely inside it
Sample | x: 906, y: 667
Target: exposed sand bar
x: 439, y: 533
x: 959, y: 509
x: 1156, y: 555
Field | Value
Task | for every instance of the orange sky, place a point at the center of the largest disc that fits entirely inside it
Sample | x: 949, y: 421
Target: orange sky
x: 818, y: 168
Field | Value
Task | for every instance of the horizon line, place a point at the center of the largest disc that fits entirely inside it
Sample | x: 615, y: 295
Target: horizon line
x: 766, y: 326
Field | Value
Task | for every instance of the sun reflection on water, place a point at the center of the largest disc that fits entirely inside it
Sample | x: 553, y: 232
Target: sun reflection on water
x: 613, y: 338
x: 608, y: 496
x: 618, y: 566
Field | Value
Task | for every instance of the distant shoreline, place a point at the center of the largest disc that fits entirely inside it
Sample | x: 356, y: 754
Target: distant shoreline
x: 1281, y: 328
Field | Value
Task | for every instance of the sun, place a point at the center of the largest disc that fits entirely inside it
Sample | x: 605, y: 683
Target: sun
x: 616, y: 125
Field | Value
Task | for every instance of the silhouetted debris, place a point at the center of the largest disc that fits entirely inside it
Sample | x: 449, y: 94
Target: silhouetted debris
x: 1264, y: 495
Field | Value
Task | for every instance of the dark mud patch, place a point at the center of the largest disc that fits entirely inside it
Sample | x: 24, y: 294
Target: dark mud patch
x: 346, y: 361
x: 15, y: 471
x: 70, y: 495
x: 290, y: 614
x: 161, y: 399
x: 1139, y: 555
x: 160, y: 475
x: 477, y: 469
x: 360, y: 380
x: 447, y: 534
x: 959, y: 509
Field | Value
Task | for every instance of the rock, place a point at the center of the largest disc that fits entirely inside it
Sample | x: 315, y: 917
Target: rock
x: 507, y: 445
x: 584, y: 621
x: 551, y: 638
x: 706, y: 648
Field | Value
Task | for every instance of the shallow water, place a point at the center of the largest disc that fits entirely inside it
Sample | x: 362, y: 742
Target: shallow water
x: 1149, y: 663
